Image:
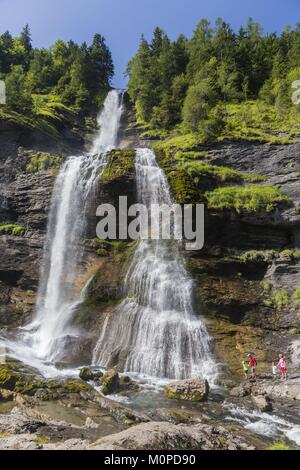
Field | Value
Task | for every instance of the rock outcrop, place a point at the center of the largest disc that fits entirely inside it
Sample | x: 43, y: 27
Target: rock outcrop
x: 190, y: 389
x: 167, y: 436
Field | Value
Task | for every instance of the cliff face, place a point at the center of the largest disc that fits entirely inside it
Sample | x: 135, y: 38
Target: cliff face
x: 245, y: 278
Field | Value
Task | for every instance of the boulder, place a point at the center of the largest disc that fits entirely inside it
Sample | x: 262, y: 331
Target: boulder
x: 190, y: 389
x: 111, y: 382
x: 243, y: 390
x: 263, y: 402
x: 168, y: 436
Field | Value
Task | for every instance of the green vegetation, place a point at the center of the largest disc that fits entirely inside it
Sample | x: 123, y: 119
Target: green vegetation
x: 223, y: 174
x: 42, y: 440
x: 258, y: 256
x: 183, y: 187
x: 13, y: 379
x: 296, y: 296
x: 43, y: 161
x: 218, y: 85
x: 290, y: 254
x: 281, y: 445
x: 46, y: 88
x: 266, y: 286
x: 267, y: 256
x: 249, y: 198
x: 121, y: 163
x: 12, y: 229
x: 105, y: 247
x: 280, y: 299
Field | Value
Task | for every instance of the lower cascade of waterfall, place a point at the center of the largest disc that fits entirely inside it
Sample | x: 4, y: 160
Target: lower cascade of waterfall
x: 44, y: 339
x: 155, y: 331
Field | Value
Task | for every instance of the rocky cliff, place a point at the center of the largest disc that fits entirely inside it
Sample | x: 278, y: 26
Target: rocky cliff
x: 245, y: 278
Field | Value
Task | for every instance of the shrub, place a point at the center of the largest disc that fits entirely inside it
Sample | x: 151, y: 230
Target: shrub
x: 43, y: 161
x: 250, y: 198
x: 11, y: 229
x: 258, y: 256
x: 281, y: 445
x: 280, y: 299
x: 296, y: 296
x: 222, y: 173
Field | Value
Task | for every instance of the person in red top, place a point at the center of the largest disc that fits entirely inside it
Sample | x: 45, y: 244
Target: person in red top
x: 253, y: 365
x: 282, y: 366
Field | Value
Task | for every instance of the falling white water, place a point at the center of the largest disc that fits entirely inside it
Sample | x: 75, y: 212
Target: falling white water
x: 47, y: 335
x: 155, y: 331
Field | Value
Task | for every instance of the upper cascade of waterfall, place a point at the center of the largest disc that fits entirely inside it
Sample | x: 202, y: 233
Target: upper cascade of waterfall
x: 156, y: 329
x: 109, y: 123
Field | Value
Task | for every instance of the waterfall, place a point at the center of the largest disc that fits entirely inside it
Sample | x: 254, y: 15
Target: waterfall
x: 155, y: 331
x: 57, y: 296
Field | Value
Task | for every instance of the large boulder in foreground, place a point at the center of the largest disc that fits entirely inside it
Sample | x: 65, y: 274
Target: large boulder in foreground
x: 168, y: 436
x: 190, y: 389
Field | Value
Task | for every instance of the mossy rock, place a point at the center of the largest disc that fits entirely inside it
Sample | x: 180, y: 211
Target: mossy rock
x: 43, y: 161
x: 111, y: 382
x: 183, y: 187
x: 8, y: 377
x: 189, y: 390
x: 247, y: 199
x: 121, y: 163
x: 87, y: 374
x: 27, y: 384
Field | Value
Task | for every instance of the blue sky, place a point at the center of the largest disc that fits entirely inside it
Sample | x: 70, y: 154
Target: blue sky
x: 123, y: 21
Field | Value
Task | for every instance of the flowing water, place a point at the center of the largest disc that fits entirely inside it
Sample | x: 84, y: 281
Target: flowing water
x: 155, y: 330
x: 265, y: 424
x: 46, y: 336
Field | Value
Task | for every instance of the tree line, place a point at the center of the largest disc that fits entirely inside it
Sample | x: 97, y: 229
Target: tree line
x: 49, y: 82
x: 189, y: 81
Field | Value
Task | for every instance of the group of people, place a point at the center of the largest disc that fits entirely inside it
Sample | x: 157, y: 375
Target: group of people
x: 277, y: 367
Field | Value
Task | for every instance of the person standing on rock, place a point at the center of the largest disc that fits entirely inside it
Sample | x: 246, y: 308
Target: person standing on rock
x: 282, y: 367
x: 253, y: 365
x: 274, y: 370
x: 245, y: 365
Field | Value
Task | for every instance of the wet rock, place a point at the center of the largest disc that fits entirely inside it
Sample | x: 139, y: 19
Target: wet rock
x: 125, y: 380
x: 111, y: 382
x: 16, y: 379
x: 121, y: 413
x: 87, y: 374
x: 288, y: 390
x: 128, y: 385
x: 9, y: 377
x: 176, y: 416
x: 168, y: 436
x: 6, y: 395
x: 190, y: 389
x: 242, y: 390
x: 263, y: 402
